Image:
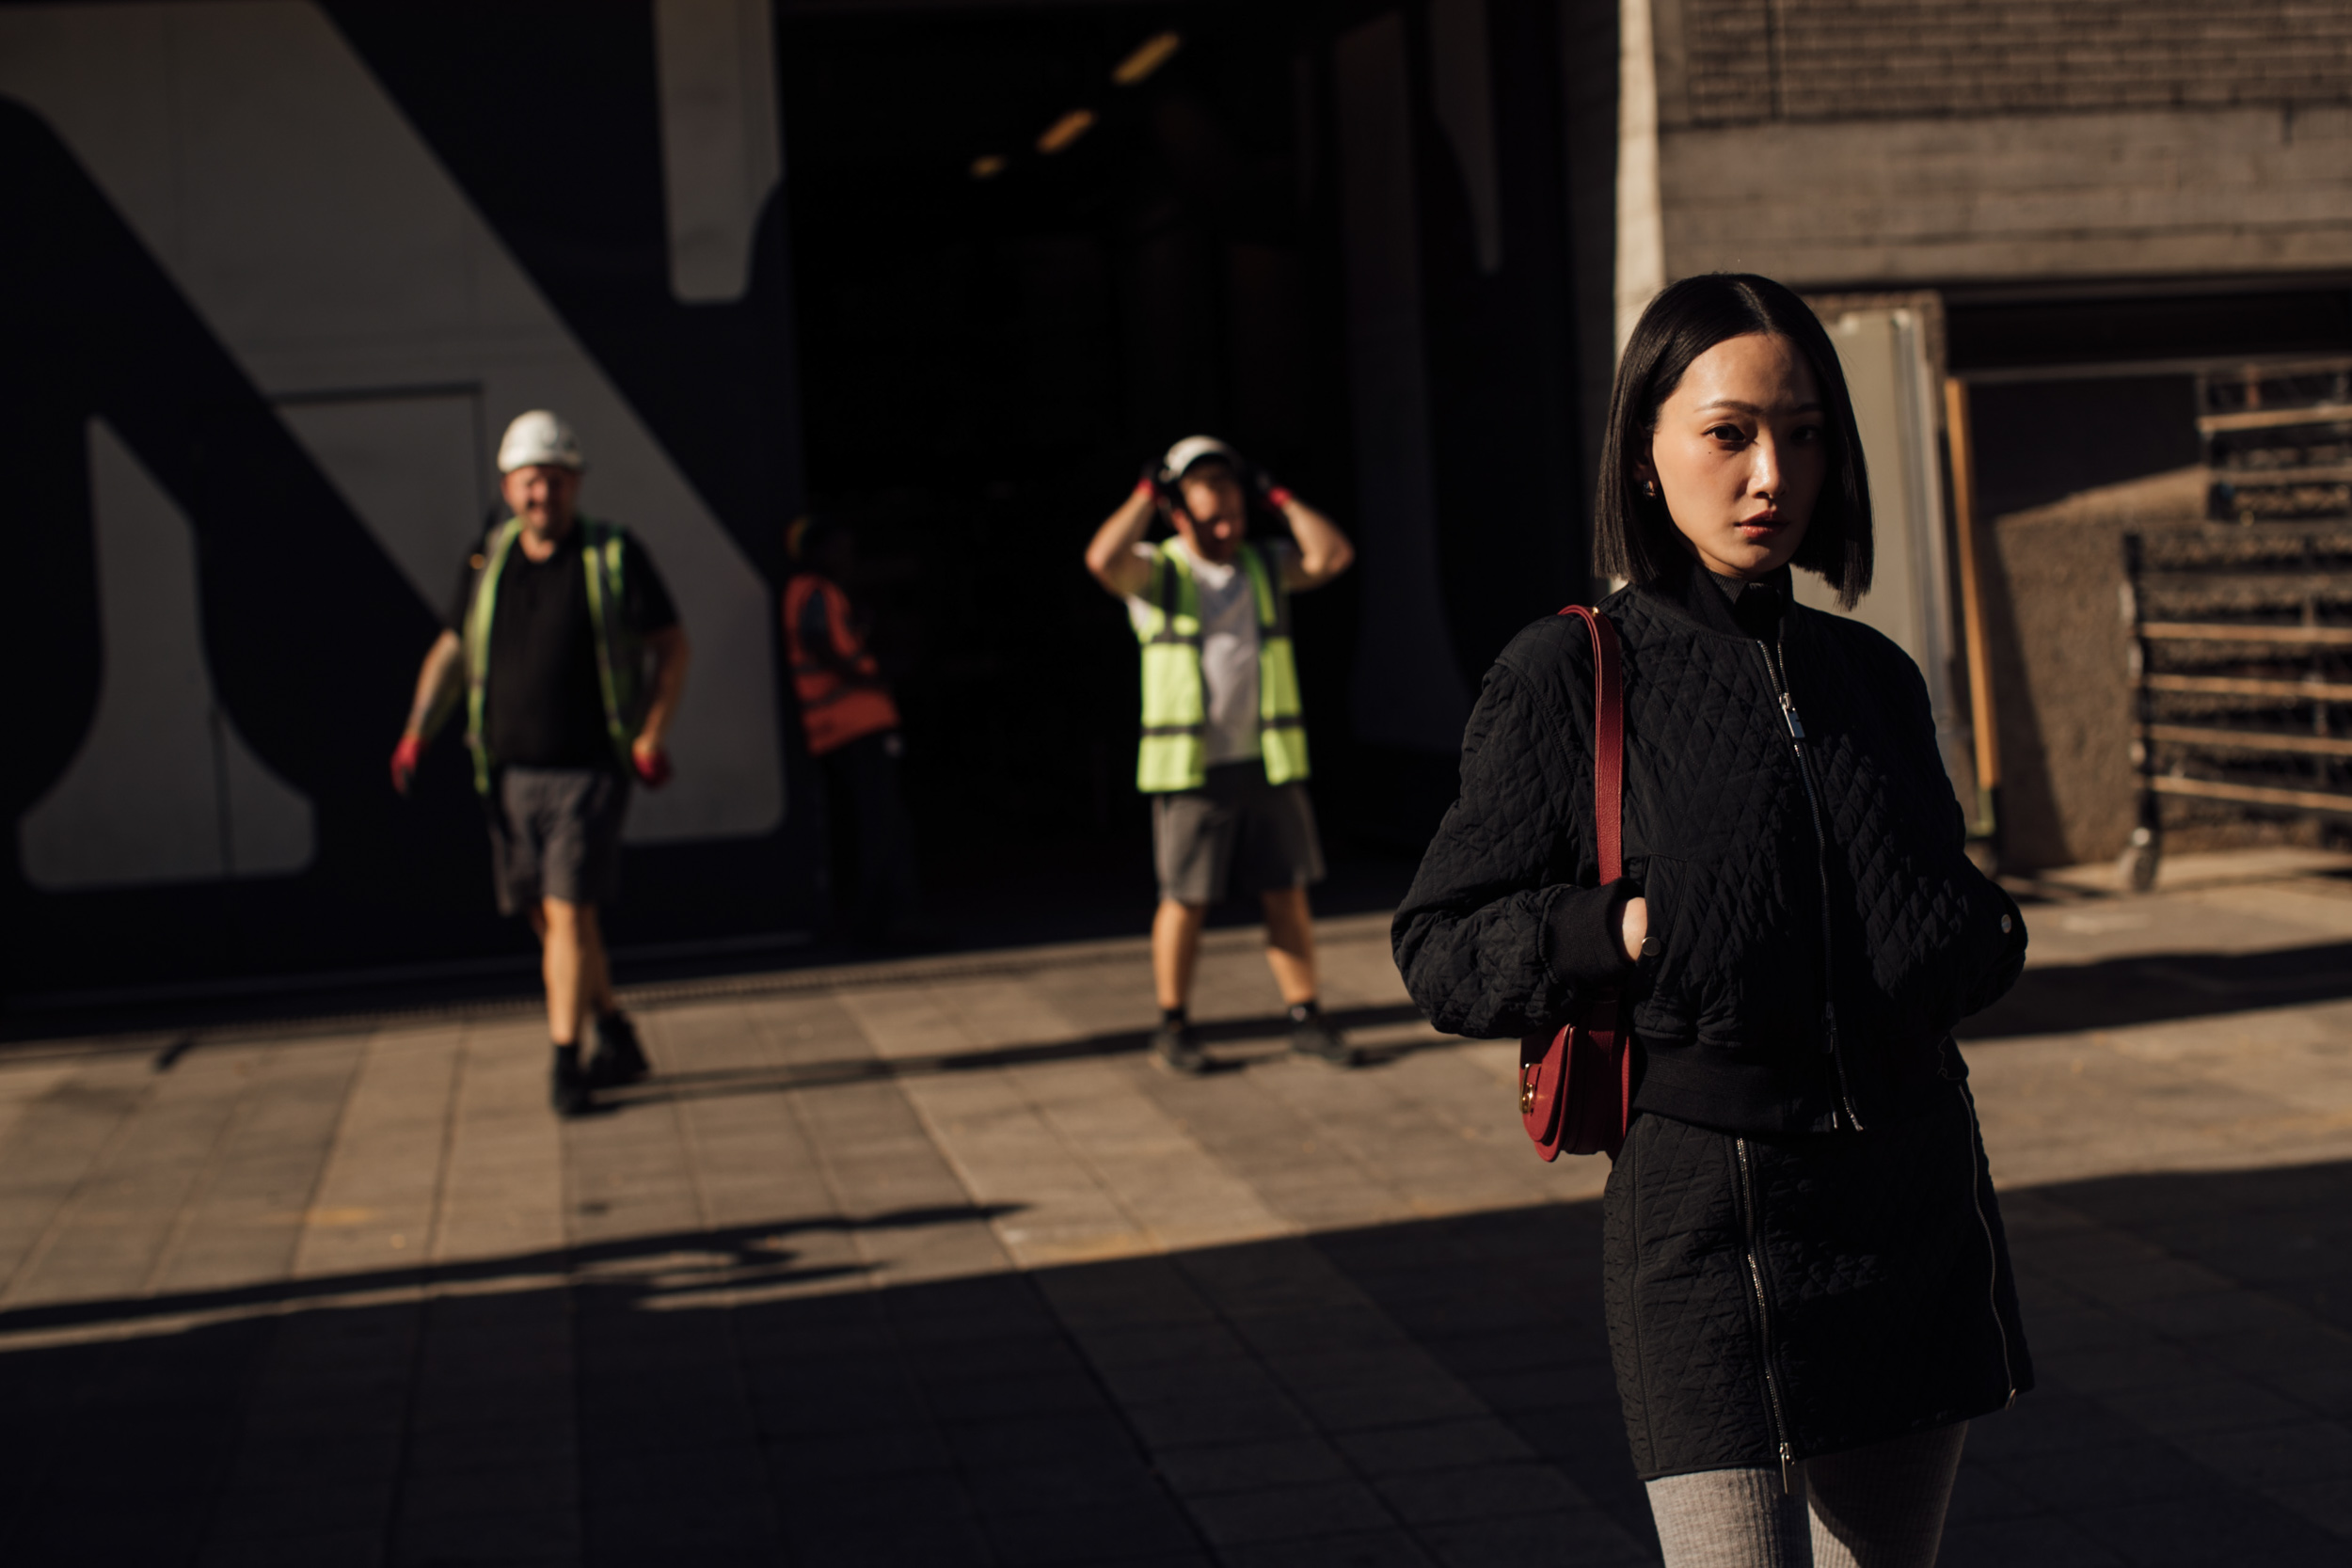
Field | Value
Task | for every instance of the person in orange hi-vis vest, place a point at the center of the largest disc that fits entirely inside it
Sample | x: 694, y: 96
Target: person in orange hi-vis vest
x: 854, y: 732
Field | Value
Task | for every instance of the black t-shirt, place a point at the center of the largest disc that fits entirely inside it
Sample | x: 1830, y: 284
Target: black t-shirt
x: 544, y: 707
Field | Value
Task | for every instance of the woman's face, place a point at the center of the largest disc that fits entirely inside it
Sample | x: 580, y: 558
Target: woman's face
x: 1739, y: 453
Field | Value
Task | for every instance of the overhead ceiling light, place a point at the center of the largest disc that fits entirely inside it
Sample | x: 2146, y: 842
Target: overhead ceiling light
x: 988, y: 166
x: 1077, y: 123
x: 1150, y: 56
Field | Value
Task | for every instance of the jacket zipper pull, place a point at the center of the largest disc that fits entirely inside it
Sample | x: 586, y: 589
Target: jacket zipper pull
x: 1787, y: 1472
x: 1788, y: 712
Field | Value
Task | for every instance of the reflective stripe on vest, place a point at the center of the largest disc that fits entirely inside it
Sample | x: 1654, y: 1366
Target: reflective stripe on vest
x: 620, y: 658
x: 1174, y: 753
x: 842, y: 695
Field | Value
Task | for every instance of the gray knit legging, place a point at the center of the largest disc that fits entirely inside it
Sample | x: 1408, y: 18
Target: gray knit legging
x: 1879, y: 1507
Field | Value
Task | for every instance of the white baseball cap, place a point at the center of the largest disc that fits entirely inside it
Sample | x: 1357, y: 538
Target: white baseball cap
x: 1195, y: 449
x: 535, y: 438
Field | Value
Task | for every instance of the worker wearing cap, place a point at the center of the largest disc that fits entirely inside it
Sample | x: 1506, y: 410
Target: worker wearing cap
x: 1224, y: 748
x: 564, y: 647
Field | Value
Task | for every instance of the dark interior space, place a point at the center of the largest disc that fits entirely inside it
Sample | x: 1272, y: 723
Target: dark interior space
x: 2040, y: 442
x: 990, y: 350
x: 2008, y: 329
x: 2056, y: 404
x: 992, y: 338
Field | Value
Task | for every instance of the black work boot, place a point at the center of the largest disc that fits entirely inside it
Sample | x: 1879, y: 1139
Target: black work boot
x: 567, y: 1085
x: 618, y: 1058
x: 1311, y: 1034
x: 1176, y: 1046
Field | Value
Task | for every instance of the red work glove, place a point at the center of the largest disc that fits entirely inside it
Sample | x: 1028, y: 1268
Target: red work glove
x: 405, y: 759
x: 1270, y: 490
x: 653, y: 766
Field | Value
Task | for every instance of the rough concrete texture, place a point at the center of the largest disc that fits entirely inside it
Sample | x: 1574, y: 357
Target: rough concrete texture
x: 1729, y: 62
x: 1935, y: 201
x: 2054, y: 613
x: 2061, y: 674
x: 1829, y: 142
x: 923, y: 1262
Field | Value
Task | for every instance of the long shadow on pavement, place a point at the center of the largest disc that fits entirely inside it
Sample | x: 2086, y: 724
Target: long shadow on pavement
x: 713, y: 1398
x: 1113, y: 1042
x: 2151, y: 988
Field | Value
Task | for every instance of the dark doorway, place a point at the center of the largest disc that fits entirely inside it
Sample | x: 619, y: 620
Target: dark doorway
x: 2095, y: 385
x: 2040, y: 442
x: 997, y: 328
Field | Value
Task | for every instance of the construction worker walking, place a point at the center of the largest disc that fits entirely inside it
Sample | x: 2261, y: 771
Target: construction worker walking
x: 563, y: 645
x: 1224, y: 748
x: 852, y: 730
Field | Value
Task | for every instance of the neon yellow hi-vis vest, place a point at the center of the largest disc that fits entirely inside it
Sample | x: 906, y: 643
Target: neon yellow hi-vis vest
x: 620, y: 655
x: 1175, y: 749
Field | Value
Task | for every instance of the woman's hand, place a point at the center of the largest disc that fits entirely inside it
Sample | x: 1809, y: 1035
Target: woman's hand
x: 1633, y: 927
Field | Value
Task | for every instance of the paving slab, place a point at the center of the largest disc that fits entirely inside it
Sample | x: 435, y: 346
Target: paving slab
x: 924, y: 1262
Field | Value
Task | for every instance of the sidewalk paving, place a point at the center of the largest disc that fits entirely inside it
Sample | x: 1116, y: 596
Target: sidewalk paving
x: 923, y: 1262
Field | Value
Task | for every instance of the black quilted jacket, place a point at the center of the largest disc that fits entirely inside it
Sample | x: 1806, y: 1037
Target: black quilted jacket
x: 1801, y: 1248
x: 1818, y: 929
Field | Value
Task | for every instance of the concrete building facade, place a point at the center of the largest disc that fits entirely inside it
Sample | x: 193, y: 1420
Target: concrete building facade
x: 1928, y: 141
x: 2100, y: 202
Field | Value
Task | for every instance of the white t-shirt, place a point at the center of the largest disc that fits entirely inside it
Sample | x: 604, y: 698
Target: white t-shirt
x: 1228, y: 645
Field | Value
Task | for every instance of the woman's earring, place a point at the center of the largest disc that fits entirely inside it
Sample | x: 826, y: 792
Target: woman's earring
x: 1649, y: 488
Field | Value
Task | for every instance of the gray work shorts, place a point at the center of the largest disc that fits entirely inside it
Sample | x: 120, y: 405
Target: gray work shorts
x: 1237, y: 833
x: 555, y: 832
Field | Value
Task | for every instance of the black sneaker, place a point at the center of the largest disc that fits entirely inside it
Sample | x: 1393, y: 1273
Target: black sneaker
x: 568, y: 1085
x: 618, y: 1057
x: 1316, y: 1037
x: 1178, y: 1048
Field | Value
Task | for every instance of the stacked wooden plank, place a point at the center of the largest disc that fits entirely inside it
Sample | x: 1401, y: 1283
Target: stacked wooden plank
x: 2279, y: 440
x: 2242, y: 630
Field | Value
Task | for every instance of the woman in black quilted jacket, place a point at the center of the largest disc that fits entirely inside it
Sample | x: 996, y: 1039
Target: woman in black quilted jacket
x: 1807, y: 1288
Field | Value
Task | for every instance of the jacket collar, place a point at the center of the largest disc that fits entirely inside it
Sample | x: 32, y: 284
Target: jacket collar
x: 1687, y: 592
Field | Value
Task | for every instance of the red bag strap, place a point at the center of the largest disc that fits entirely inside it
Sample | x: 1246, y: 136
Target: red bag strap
x: 1607, y: 743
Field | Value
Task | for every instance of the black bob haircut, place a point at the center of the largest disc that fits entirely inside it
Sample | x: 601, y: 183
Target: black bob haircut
x: 1634, y: 538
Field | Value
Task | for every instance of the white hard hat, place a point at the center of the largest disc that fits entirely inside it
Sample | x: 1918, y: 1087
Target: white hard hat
x: 1195, y: 449
x: 538, y: 438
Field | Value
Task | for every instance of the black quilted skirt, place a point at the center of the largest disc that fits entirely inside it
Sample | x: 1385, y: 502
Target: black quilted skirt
x: 1770, y: 1299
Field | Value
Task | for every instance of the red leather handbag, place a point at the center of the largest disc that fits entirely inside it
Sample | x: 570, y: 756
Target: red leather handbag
x: 1575, y: 1086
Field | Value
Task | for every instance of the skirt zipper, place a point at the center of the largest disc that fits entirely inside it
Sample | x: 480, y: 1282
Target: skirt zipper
x: 1774, y: 670
x: 1749, y: 1203
x: 1991, y: 1252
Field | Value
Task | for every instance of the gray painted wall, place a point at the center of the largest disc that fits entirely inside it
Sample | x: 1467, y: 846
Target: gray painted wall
x: 1829, y: 142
